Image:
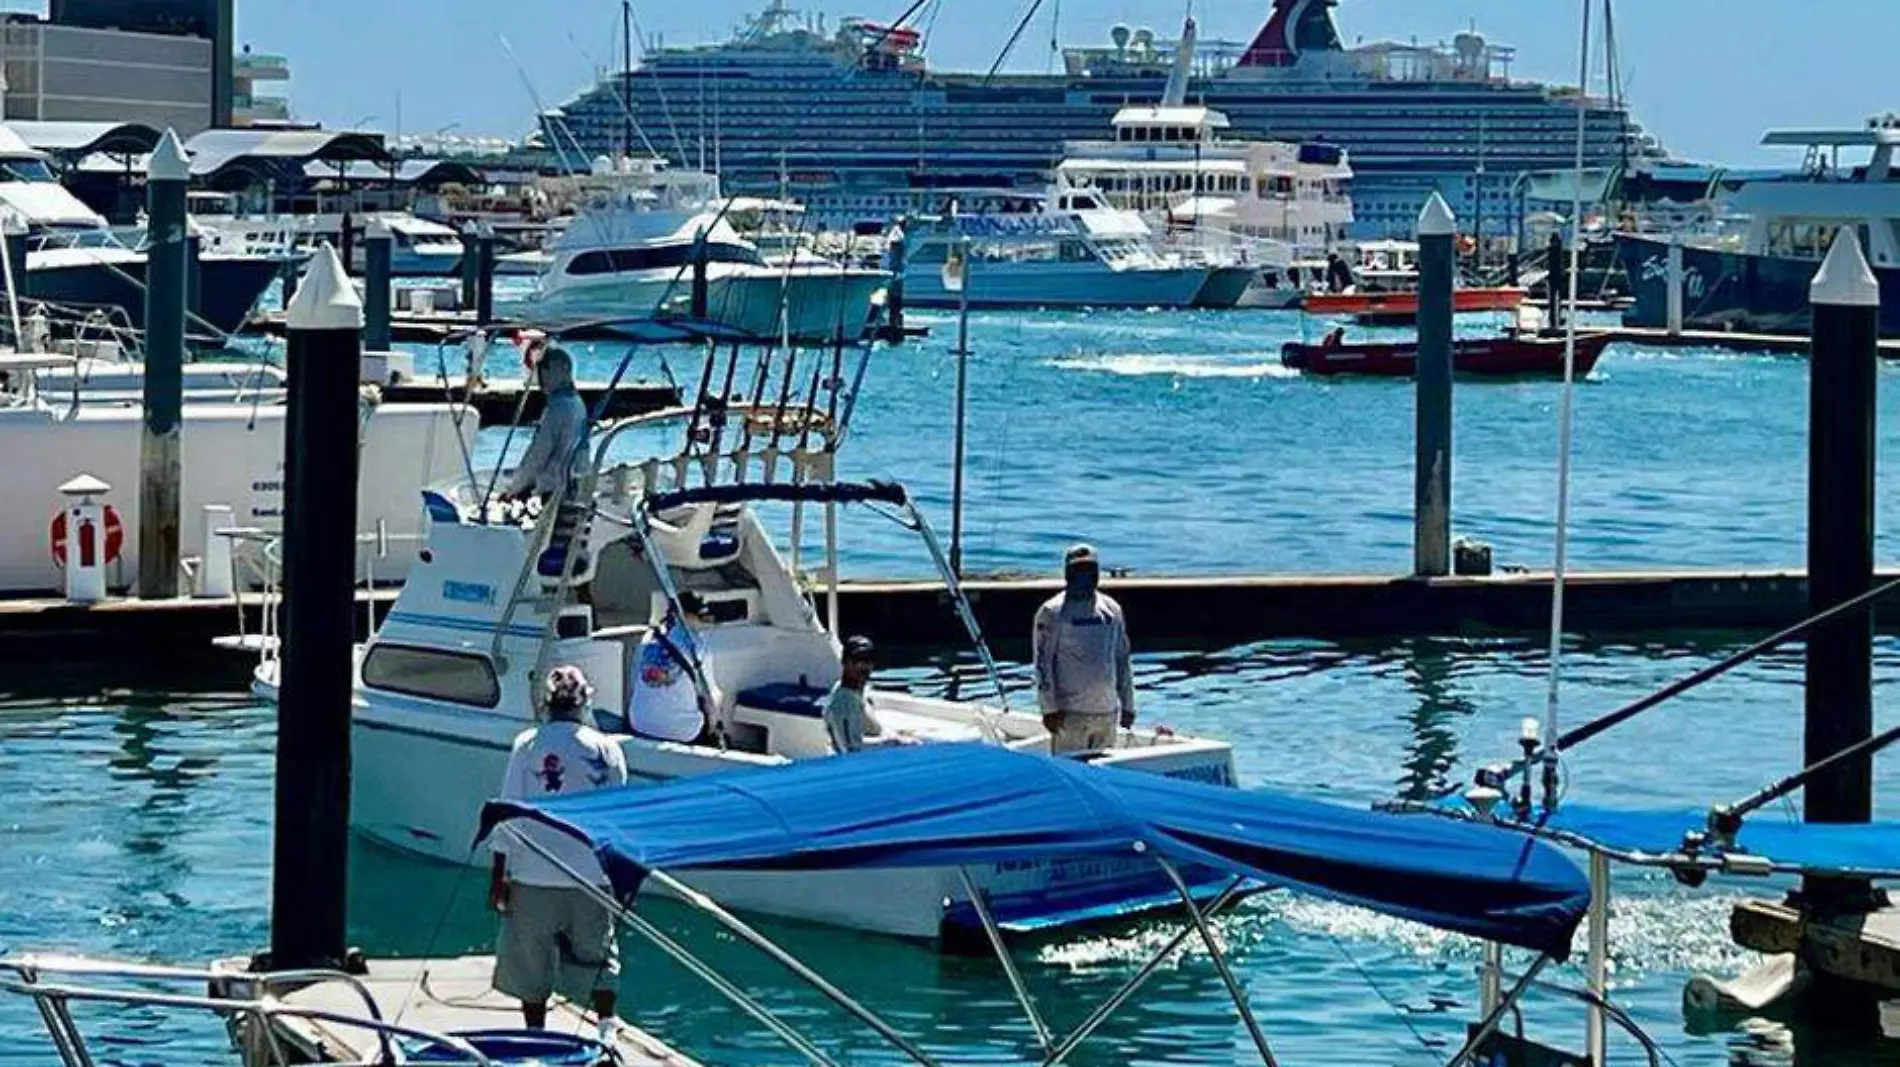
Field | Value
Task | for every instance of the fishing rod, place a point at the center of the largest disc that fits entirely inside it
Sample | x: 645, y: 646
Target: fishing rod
x: 1725, y: 821
x: 1003, y: 56
x: 770, y: 460
x: 718, y: 419
x: 1579, y: 734
x: 762, y: 374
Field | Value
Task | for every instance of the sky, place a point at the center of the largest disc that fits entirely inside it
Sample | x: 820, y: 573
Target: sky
x: 1706, y: 76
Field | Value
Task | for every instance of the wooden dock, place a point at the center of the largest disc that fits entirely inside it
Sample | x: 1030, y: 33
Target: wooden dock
x: 1729, y: 340
x: 407, y: 327
x: 1860, y: 948
x: 171, y: 641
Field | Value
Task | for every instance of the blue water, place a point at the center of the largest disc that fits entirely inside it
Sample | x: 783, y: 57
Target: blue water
x: 136, y: 824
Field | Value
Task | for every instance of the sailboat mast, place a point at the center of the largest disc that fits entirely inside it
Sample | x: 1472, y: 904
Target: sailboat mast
x: 626, y: 76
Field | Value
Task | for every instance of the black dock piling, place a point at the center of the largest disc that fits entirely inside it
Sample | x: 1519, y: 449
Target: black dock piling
x: 1431, y: 479
x: 160, y: 463
x: 1556, y: 282
x: 346, y: 243
x: 16, y: 263
x: 1841, y: 416
x: 194, y: 280
x: 313, y: 711
x: 377, y: 244
x: 1513, y: 269
x: 699, y: 286
x: 894, y: 292
x: 471, y: 265
x: 485, y: 279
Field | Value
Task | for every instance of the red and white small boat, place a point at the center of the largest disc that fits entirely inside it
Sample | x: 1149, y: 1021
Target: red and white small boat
x: 1509, y: 356
x: 1402, y: 304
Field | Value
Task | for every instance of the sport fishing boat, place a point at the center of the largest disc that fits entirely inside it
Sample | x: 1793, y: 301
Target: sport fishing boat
x: 418, y: 247
x: 635, y: 246
x: 450, y: 677
x: 1750, y: 269
x: 1070, y: 251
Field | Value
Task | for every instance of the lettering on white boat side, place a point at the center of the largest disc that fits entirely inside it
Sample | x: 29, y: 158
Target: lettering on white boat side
x: 1656, y: 269
x: 468, y: 592
x: 1211, y: 773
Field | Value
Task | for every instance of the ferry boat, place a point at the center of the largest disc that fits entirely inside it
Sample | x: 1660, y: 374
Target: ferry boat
x: 1750, y: 269
x: 1073, y: 251
x: 1270, y: 207
x: 629, y: 254
x: 1413, y: 118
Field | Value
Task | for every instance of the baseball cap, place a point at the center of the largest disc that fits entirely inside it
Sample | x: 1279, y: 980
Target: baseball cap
x: 858, y: 646
x: 1080, y: 553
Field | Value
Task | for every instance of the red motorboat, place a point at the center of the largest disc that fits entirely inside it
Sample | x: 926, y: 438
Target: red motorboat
x: 1510, y: 356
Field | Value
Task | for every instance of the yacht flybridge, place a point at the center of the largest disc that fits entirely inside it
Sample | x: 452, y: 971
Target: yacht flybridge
x: 451, y: 676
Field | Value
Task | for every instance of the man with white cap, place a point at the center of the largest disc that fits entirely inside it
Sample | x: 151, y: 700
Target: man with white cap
x: 555, y: 936
x: 1084, y: 681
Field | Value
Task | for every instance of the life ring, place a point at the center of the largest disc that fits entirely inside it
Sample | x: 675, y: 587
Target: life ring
x: 114, y: 538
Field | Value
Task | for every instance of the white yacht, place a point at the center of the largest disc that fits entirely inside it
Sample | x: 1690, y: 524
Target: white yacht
x: 1751, y: 270
x: 419, y: 248
x: 1024, y: 251
x: 74, y: 258
x: 629, y: 254
x: 76, y: 407
x: 450, y: 678
x: 1274, y: 207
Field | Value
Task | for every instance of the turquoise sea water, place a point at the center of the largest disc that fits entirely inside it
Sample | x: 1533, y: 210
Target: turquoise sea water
x: 136, y: 824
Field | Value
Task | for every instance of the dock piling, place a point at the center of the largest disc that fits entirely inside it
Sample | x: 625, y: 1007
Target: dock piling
x: 346, y: 243
x: 471, y: 264
x: 1841, y: 416
x: 311, y: 846
x: 377, y: 246
x: 1431, y: 512
x: 1556, y: 282
x: 699, y: 287
x: 894, y: 293
x: 160, y: 464
x: 16, y: 261
x: 194, y: 279
x: 1674, y: 282
x: 485, y: 279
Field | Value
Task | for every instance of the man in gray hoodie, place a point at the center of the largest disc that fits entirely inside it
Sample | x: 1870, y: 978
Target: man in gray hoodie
x: 553, y: 464
x: 1084, y: 681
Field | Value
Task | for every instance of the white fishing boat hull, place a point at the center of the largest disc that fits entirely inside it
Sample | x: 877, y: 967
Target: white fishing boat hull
x: 820, y: 301
x: 231, y: 454
x: 421, y: 776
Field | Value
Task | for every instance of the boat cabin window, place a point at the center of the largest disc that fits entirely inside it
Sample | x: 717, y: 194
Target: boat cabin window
x: 457, y: 677
x: 618, y: 260
x: 25, y: 170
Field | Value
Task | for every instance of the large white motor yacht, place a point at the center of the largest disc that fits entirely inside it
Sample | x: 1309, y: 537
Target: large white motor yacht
x: 629, y: 254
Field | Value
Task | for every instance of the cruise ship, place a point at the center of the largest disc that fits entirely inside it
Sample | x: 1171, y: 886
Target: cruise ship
x: 851, y: 122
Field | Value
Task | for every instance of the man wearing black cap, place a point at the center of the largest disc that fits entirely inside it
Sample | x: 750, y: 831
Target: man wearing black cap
x: 1084, y: 680
x: 847, y: 718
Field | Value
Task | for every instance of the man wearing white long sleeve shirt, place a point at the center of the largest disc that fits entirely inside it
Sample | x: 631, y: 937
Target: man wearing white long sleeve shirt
x: 1084, y: 680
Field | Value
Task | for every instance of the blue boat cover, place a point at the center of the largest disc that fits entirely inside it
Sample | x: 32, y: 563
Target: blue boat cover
x: 1868, y: 849
x: 957, y: 804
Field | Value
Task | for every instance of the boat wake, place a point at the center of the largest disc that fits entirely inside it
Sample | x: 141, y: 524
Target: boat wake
x: 1142, y: 365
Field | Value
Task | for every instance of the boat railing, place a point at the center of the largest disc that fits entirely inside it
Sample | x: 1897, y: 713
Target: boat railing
x: 55, y: 983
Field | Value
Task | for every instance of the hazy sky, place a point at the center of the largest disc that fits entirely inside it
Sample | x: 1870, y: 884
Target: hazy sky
x: 1707, y: 76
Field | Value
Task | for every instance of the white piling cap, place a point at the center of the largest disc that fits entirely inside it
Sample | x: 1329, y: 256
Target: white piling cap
x: 84, y: 485
x: 1436, y: 219
x: 1845, y: 279
x: 325, y: 298
x: 377, y: 227
x: 168, y: 162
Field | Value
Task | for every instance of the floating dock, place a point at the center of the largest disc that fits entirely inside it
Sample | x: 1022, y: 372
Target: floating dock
x: 164, y: 640
x: 1731, y: 340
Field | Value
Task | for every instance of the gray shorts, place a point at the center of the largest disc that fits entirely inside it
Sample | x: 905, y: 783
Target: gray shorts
x: 1077, y: 732
x: 555, y: 939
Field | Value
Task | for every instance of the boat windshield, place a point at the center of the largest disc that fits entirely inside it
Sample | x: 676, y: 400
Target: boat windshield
x: 660, y: 257
x: 25, y: 170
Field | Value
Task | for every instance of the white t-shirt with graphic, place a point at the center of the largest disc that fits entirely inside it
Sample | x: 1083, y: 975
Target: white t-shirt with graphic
x: 557, y: 758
